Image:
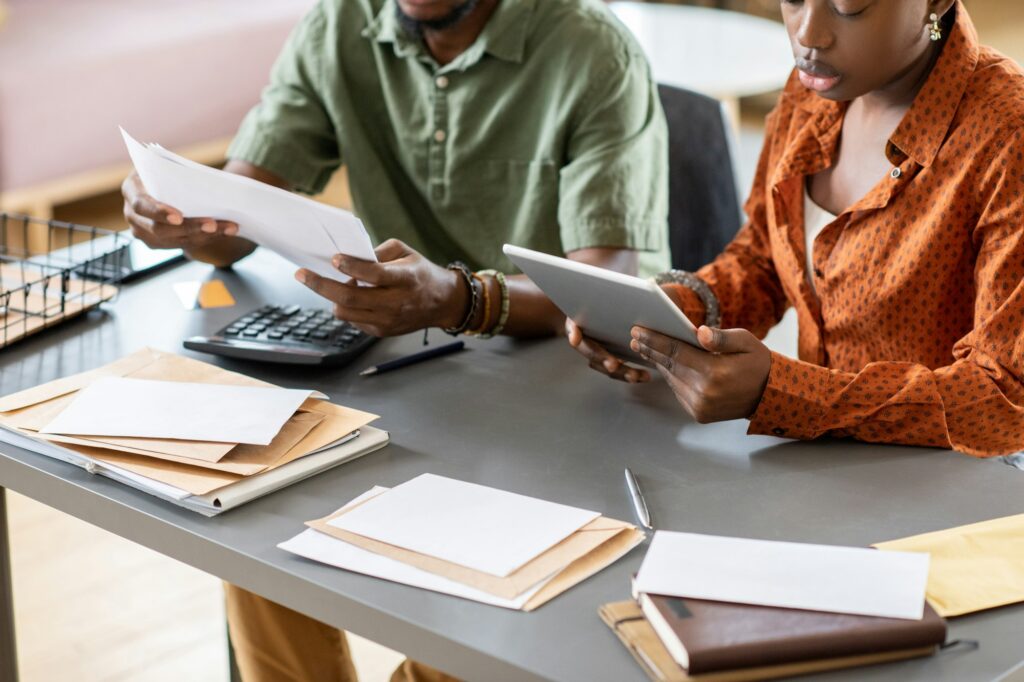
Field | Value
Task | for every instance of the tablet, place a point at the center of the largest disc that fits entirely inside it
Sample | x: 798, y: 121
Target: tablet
x: 605, y: 304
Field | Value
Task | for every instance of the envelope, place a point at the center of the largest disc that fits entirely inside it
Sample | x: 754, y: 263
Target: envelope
x: 580, y: 555
x: 188, y: 466
x: 975, y: 567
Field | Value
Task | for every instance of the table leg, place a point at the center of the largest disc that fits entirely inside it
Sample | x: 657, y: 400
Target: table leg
x: 8, y: 648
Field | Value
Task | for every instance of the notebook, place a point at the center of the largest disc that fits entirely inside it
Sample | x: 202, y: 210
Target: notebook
x: 634, y: 632
x: 708, y: 636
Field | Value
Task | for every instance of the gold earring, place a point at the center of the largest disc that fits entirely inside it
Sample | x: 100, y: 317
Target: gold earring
x: 935, y: 30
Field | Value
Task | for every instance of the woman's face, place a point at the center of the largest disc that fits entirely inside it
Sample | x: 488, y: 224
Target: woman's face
x: 847, y: 48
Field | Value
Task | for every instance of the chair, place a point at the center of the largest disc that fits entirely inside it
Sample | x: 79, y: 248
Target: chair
x: 704, y: 209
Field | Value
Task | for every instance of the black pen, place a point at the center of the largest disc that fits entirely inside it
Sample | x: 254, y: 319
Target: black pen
x: 398, y: 363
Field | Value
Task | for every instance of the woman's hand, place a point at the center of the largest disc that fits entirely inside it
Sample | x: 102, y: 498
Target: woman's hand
x: 724, y: 381
x: 600, y: 359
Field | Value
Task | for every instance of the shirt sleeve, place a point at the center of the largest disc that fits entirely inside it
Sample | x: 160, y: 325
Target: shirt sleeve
x: 613, y: 188
x: 743, y: 277
x: 974, y: 405
x: 289, y: 133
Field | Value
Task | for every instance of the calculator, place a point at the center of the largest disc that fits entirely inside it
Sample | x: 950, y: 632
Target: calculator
x: 288, y: 334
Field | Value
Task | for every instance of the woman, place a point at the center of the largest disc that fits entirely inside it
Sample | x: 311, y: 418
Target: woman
x: 888, y: 209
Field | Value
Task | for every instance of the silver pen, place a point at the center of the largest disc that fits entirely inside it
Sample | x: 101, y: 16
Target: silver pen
x: 639, y: 504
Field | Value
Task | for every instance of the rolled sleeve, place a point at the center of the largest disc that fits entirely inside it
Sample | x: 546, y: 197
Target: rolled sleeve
x: 613, y: 192
x: 289, y: 133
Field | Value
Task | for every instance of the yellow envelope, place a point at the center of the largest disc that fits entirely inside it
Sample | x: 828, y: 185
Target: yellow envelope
x: 975, y: 567
x: 590, y: 549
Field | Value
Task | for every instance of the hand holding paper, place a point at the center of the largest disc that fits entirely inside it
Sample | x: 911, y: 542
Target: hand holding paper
x: 304, y: 231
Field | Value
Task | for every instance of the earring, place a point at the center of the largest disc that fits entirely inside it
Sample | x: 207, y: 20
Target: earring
x: 935, y: 30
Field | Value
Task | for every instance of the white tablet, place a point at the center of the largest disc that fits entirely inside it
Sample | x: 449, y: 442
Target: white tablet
x: 605, y: 304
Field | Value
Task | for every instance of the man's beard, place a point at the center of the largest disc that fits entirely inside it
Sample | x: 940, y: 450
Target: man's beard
x: 416, y: 27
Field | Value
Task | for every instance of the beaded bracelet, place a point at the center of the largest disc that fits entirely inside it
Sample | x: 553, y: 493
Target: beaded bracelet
x: 505, y: 303
x: 474, y: 298
x: 712, y: 311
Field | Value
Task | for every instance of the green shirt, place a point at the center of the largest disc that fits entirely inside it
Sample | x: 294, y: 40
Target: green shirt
x: 546, y: 133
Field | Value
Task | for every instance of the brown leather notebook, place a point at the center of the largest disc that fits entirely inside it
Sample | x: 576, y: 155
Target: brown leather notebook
x: 636, y: 634
x: 709, y: 636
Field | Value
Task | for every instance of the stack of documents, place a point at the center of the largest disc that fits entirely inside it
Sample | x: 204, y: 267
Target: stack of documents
x: 304, y: 231
x: 467, y: 540
x: 721, y: 608
x: 200, y: 436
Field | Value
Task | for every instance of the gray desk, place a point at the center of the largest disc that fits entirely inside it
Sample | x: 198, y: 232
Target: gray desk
x: 527, y: 417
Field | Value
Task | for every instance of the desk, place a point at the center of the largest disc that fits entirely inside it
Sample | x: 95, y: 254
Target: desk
x: 722, y: 54
x: 530, y: 418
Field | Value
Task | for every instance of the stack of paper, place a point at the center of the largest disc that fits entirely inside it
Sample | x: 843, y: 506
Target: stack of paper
x: 467, y: 540
x: 304, y: 231
x: 193, y: 433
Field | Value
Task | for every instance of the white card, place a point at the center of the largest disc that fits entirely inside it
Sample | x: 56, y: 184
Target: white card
x: 143, y: 408
x: 471, y: 525
x: 791, y: 575
x: 313, y: 544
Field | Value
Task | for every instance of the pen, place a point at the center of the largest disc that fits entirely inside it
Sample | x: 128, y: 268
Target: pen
x: 639, y: 504
x: 407, y: 360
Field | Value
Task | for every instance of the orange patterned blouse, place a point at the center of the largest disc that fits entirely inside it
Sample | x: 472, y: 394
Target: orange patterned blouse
x: 916, y: 333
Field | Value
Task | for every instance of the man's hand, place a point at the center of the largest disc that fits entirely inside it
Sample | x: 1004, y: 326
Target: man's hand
x: 161, y: 226
x: 409, y: 292
x: 726, y: 382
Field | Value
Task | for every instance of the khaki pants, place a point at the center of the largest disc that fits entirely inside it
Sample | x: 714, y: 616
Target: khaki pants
x: 275, y: 644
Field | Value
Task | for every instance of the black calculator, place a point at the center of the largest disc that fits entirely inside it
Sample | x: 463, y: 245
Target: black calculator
x: 287, y: 334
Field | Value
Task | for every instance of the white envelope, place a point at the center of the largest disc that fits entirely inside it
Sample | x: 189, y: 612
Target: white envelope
x: 317, y: 546
x: 790, y: 575
x: 304, y: 231
x: 144, y: 408
x: 472, y: 525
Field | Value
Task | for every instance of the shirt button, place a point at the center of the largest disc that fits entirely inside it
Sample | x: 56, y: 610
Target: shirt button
x: 778, y: 431
x: 896, y: 173
x: 441, y: 82
x: 440, y: 136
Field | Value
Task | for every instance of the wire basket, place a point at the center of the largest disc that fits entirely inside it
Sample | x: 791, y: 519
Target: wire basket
x: 51, y: 271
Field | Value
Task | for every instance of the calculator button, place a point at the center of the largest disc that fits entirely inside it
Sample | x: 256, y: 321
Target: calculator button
x: 251, y: 332
x: 290, y: 310
x: 320, y: 334
x: 301, y: 333
x: 232, y: 332
x: 275, y: 335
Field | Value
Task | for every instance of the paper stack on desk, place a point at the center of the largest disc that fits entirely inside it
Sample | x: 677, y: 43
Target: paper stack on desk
x: 203, y: 437
x: 467, y: 540
x: 733, y: 609
x: 306, y: 232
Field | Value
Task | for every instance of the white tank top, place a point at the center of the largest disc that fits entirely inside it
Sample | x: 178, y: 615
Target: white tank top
x: 816, y: 219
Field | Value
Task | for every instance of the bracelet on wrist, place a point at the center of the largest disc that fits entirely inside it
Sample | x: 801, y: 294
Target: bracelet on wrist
x: 712, y: 310
x: 474, y: 298
x: 499, y: 326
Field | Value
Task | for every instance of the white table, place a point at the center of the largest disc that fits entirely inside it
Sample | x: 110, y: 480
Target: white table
x: 722, y: 54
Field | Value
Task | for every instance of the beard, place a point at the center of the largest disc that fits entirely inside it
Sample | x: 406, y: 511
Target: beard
x: 416, y: 27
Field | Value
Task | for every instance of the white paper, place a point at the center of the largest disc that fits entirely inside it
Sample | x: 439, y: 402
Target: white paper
x: 318, y: 546
x: 853, y: 580
x: 143, y: 408
x: 304, y: 231
x: 482, y: 528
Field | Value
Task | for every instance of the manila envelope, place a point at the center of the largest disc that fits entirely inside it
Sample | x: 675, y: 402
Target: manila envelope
x: 627, y: 621
x: 974, y: 567
x: 583, y: 545
x: 336, y: 422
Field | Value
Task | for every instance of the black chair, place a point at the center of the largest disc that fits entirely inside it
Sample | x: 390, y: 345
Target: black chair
x: 704, y: 207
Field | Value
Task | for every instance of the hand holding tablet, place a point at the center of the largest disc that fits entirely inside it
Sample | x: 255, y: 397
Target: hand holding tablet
x: 603, y: 303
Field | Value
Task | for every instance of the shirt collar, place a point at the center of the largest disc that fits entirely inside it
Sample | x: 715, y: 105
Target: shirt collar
x: 926, y: 125
x: 504, y: 36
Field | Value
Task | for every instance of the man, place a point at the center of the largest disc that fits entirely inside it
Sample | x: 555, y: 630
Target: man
x: 464, y: 124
